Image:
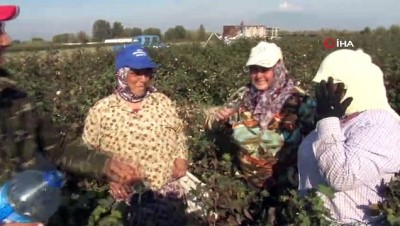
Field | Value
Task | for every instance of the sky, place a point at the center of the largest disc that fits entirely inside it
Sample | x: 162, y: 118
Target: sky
x: 46, y: 18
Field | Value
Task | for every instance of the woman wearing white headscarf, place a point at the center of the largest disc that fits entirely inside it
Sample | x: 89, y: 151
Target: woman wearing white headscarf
x: 356, y: 143
x: 272, y: 116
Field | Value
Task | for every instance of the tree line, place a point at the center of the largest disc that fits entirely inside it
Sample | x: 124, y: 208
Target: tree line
x: 103, y: 29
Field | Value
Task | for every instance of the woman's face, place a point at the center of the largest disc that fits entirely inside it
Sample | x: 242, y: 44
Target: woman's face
x: 261, y: 77
x: 138, y: 80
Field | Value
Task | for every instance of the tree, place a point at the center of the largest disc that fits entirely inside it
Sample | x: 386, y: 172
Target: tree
x: 138, y: 31
x: 82, y: 37
x: 394, y: 30
x: 131, y: 32
x: 180, y: 32
x: 117, y: 30
x: 152, y: 31
x: 380, y: 30
x: 35, y: 39
x: 170, y: 34
x: 101, y: 30
x: 64, y: 38
x: 366, y: 30
x: 201, y: 33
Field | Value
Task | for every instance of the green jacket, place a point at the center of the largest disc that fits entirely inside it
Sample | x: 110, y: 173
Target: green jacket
x: 27, y: 137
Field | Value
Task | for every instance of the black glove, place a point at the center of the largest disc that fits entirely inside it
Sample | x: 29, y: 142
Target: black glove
x: 328, y: 99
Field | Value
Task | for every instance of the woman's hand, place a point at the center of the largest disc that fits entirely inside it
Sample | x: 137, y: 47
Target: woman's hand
x: 224, y: 113
x: 120, y: 191
x: 118, y: 171
x: 180, y: 168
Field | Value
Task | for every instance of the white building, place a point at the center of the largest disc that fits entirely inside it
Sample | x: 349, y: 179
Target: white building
x: 118, y: 40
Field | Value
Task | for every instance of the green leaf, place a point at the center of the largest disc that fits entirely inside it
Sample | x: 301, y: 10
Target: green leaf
x: 326, y: 190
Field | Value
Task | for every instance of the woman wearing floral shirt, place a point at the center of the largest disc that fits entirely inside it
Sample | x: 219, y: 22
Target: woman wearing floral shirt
x: 139, y: 125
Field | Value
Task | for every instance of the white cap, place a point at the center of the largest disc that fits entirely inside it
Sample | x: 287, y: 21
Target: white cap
x: 265, y: 54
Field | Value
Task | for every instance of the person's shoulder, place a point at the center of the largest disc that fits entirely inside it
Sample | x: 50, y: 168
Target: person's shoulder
x: 104, y: 102
x: 381, y: 117
x: 386, y: 122
x: 162, y: 97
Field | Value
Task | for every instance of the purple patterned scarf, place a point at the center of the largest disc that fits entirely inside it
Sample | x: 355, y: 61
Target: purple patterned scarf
x: 123, y: 89
x: 266, y: 104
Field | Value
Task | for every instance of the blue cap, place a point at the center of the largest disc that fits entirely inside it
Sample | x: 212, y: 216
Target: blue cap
x: 133, y: 56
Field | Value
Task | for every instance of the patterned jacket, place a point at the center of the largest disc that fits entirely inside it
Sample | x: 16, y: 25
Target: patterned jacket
x: 28, y: 139
x: 270, y: 156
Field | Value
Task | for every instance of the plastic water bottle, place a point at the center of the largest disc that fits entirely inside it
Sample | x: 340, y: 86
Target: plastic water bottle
x: 31, y: 196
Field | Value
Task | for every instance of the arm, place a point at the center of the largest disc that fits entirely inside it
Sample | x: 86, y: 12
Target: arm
x: 348, y: 162
x: 77, y: 158
x: 182, y: 149
x: 214, y: 115
x: 70, y: 154
x: 210, y: 119
x: 30, y: 131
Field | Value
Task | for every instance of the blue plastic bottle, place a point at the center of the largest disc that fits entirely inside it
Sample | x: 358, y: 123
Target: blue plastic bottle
x: 31, y: 196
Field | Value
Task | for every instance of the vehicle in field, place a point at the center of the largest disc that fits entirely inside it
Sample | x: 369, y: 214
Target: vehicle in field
x: 148, y: 41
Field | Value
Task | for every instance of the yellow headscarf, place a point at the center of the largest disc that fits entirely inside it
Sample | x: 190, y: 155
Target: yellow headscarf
x: 363, y: 79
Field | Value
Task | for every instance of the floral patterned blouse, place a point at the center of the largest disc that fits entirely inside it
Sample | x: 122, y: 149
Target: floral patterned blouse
x: 153, y: 137
x: 270, y: 156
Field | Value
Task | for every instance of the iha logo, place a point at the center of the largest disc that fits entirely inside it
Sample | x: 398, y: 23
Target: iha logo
x: 330, y: 43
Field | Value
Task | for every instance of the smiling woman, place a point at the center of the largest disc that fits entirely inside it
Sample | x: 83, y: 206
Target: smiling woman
x: 269, y: 117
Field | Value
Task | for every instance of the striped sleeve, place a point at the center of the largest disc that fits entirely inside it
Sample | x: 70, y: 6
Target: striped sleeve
x: 347, y: 163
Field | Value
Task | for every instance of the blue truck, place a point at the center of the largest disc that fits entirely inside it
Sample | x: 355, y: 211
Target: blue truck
x: 148, y: 41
